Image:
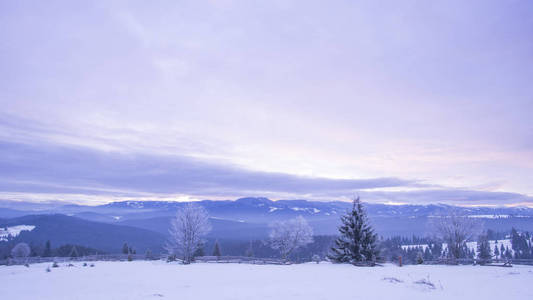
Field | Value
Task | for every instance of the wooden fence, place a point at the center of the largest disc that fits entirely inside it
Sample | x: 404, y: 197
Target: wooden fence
x: 472, y: 261
x: 134, y: 257
x: 235, y: 259
x: 240, y: 259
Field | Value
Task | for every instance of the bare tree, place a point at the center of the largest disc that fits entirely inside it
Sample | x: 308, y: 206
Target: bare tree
x: 186, y: 231
x: 455, y: 230
x: 287, y: 236
x: 21, y: 250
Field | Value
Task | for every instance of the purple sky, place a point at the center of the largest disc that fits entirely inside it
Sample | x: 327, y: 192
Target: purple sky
x: 400, y: 101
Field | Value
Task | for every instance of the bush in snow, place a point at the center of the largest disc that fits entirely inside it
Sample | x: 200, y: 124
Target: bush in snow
x: 287, y: 236
x: 55, y: 265
x: 316, y: 258
x: 419, y: 258
x: 21, y: 250
x: 357, y: 242
x: 186, y: 231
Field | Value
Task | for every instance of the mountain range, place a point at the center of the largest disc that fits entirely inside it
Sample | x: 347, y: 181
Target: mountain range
x: 145, y: 223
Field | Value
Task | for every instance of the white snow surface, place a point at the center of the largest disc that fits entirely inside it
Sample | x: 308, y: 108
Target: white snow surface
x: 160, y: 280
x: 13, y: 231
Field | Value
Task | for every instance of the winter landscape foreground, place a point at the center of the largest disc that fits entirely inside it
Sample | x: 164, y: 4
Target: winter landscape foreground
x: 157, y: 279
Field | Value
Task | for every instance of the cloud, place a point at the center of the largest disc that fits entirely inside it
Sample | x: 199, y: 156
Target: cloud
x: 450, y: 196
x: 53, y: 168
x: 46, y: 172
x: 234, y: 98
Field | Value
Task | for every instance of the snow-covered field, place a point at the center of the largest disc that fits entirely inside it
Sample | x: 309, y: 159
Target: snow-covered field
x: 159, y: 280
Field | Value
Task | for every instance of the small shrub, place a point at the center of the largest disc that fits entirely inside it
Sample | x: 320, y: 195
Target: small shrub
x: 55, y: 265
x: 316, y: 258
x: 26, y: 265
x: 419, y: 258
x: 130, y: 258
x: 171, y: 258
x: 48, y: 270
x: 85, y: 264
x: 92, y: 265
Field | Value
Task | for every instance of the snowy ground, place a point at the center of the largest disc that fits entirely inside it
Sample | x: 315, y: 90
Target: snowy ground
x: 159, y: 280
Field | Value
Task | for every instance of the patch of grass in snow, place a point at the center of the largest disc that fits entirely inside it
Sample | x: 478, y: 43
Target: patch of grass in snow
x: 392, y: 279
x: 426, y: 283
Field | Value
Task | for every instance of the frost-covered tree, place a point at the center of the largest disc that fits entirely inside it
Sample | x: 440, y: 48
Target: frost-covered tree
x: 287, y: 236
x: 357, y: 242
x: 250, y: 251
x: 216, y: 250
x: 455, y: 230
x: 21, y: 250
x: 483, y: 248
x: 148, y: 255
x: 187, y: 229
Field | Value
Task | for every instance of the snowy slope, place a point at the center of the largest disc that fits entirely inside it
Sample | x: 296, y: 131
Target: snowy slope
x: 13, y: 231
x: 159, y: 280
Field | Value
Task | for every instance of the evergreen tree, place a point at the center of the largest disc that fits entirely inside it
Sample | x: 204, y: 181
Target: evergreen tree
x: 508, y: 253
x: 357, y: 242
x: 47, y: 249
x: 74, y: 252
x: 483, y: 249
x: 496, y: 251
x: 216, y: 250
x: 502, y: 250
x: 125, y: 249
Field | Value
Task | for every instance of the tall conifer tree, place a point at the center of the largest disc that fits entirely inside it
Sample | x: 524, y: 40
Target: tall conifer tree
x: 357, y: 242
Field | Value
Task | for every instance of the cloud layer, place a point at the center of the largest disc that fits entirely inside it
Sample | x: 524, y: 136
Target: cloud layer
x: 407, y: 102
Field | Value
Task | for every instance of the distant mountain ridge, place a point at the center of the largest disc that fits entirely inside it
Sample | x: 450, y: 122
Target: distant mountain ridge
x: 246, y: 217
